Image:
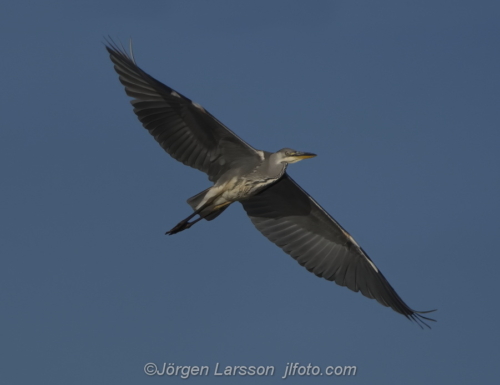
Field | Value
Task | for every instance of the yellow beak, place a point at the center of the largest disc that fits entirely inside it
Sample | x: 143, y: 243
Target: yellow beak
x: 304, y: 155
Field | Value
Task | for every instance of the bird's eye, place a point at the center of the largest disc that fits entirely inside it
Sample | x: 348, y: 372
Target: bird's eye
x: 287, y: 153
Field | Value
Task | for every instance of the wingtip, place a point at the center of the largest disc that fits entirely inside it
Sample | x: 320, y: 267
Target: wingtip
x: 115, y: 48
x: 420, y: 319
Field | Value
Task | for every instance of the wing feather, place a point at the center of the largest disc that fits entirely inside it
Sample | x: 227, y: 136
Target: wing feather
x: 291, y: 219
x: 185, y: 130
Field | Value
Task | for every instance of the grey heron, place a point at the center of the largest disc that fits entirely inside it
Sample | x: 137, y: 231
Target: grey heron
x: 278, y: 207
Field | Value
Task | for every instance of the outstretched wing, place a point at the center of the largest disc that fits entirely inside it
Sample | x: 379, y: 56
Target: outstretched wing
x: 292, y: 220
x: 184, y: 129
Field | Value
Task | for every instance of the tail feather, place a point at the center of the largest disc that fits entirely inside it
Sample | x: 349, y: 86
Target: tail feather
x: 194, y: 201
x: 209, y: 211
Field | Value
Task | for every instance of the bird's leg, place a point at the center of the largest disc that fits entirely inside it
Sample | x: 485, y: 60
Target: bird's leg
x: 184, y: 224
x: 189, y: 224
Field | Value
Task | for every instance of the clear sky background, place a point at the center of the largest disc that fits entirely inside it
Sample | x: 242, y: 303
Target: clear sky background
x: 399, y: 99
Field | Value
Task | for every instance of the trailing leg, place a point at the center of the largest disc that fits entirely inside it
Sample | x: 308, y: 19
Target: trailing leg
x: 183, y: 225
x: 204, y: 212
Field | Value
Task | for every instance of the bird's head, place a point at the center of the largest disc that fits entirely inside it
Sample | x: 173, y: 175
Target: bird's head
x: 287, y: 155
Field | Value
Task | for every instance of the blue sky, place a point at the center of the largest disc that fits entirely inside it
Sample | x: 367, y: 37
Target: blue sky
x: 400, y: 100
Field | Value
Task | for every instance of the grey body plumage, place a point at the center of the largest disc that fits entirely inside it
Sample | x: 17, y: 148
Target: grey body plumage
x: 278, y: 207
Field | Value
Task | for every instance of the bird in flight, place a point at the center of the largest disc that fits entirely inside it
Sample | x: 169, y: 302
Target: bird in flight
x: 278, y: 207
